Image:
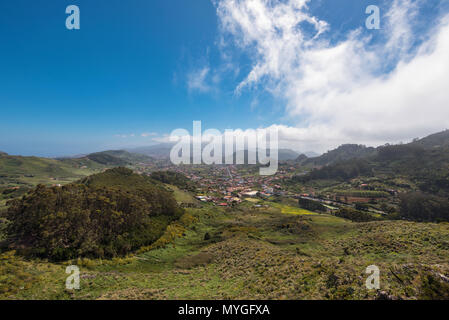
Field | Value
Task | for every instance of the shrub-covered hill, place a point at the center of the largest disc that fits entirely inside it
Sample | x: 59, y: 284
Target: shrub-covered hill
x: 118, y: 158
x: 174, y: 178
x: 105, y: 215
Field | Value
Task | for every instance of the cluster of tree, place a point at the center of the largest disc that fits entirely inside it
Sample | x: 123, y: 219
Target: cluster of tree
x: 424, y: 165
x: 105, y: 215
x: 355, y: 215
x: 362, y: 193
x: 419, y: 206
x: 107, y: 159
x: 342, y: 153
x: 174, y: 178
x: 118, y: 157
x: 339, y: 171
x: 395, y: 152
x: 311, y: 205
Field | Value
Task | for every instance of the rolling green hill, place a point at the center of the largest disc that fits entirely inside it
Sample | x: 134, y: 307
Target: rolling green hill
x: 29, y: 171
x: 420, y: 168
x: 252, y: 253
x: 19, y: 174
x: 342, y: 153
x: 440, y: 139
x: 118, y: 158
x: 105, y: 215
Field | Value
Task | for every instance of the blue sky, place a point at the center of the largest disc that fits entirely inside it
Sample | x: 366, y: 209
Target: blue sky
x: 138, y: 69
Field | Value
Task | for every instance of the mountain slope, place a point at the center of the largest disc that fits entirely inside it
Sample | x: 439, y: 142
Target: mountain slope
x: 162, y: 151
x: 16, y: 170
x: 118, y: 158
x: 440, y: 139
x: 159, y: 151
x: 287, y: 154
x: 423, y: 163
x: 105, y: 215
x: 344, y: 152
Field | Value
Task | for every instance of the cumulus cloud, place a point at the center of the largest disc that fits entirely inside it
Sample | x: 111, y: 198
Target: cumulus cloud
x: 354, y: 90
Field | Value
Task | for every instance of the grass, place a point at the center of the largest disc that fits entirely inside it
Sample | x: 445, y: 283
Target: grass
x: 24, y: 173
x: 251, y: 253
x: 30, y: 171
x: 182, y: 196
x: 286, y: 209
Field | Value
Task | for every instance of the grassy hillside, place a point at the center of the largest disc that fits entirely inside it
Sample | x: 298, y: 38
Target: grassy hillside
x: 342, y: 153
x: 30, y: 171
x: 254, y: 253
x: 106, y: 215
x: 19, y: 174
x: 118, y: 158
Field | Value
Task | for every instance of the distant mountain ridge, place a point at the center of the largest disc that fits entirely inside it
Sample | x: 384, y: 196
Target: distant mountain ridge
x: 423, y: 162
x: 162, y: 151
x: 342, y: 153
x: 159, y: 151
x: 355, y: 151
x: 436, y: 140
x: 118, y: 157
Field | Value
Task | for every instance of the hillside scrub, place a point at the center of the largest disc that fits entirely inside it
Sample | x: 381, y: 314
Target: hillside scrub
x: 355, y: 215
x: 106, y: 215
x: 174, y: 178
x: 419, y: 206
x: 311, y: 205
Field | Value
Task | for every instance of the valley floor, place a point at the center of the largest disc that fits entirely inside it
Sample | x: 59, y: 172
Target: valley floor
x: 273, y: 252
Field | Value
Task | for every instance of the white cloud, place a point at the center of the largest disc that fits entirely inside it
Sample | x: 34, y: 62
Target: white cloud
x: 148, y: 134
x: 124, y: 136
x: 163, y: 139
x: 351, y: 91
x: 197, y: 80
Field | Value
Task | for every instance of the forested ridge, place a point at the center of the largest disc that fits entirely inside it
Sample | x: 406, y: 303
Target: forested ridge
x: 423, y: 163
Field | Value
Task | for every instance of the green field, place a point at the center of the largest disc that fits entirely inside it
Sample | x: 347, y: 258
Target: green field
x: 286, y: 209
x: 251, y: 253
x: 30, y: 171
x: 19, y: 174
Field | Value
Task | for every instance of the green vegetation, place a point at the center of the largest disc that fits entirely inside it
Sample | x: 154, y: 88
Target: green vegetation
x: 342, y: 153
x: 117, y: 158
x: 131, y: 240
x: 419, y: 206
x: 311, y: 205
x: 31, y: 171
x: 361, y: 193
x: 174, y: 178
x: 418, y: 171
x: 286, y: 209
x: 106, y: 215
x: 253, y: 254
x: 355, y: 215
x: 339, y: 171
